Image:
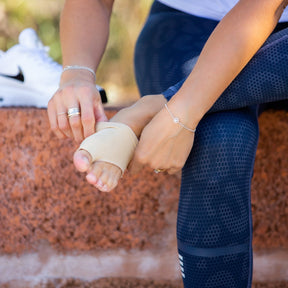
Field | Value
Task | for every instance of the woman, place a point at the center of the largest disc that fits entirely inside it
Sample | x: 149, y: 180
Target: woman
x: 214, y: 227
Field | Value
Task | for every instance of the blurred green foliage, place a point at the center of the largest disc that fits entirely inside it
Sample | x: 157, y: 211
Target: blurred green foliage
x: 43, y: 16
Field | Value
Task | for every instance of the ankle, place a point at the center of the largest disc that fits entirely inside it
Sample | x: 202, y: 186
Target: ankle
x: 140, y: 113
x: 153, y: 104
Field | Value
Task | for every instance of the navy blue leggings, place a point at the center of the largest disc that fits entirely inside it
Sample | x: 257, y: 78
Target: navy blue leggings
x: 214, y: 223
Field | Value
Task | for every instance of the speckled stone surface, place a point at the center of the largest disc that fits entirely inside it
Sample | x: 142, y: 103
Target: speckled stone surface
x: 127, y: 283
x: 43, y: 198
x: 270, y: 182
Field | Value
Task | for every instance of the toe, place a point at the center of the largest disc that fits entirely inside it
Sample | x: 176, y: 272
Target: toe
x: 82, y: 160
x: 109, y: 177
x: 94, y: 173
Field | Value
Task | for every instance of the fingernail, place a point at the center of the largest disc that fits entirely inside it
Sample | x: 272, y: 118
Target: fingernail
x: 105, y: 188
x: 91, y: 178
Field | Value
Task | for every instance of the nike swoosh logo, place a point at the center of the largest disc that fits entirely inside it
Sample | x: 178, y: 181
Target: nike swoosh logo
x: 19, y: 76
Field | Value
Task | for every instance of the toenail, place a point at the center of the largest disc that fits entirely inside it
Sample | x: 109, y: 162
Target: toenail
x: 85, y: 160
x: 99, y: 183
x: 105, y: 188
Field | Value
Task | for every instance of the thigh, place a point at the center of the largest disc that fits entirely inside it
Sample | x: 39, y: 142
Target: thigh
x: 166, y: 45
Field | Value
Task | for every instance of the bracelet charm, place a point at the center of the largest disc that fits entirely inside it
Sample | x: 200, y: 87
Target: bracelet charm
x: 176, y: 120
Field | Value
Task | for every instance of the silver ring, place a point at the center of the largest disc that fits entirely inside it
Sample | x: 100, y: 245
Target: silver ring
x: 159, y: 170
x: 73, y: 112
x: 61, y: 113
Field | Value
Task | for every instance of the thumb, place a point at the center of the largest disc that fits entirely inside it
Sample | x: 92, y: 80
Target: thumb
x: 100, y: 113
x: 134, y: 166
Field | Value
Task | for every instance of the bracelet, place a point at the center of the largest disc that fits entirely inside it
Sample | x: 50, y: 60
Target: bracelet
x: 176, y: 120
x: 77, y: 67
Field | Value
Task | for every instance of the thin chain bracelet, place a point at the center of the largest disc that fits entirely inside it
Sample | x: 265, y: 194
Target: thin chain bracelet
x: 177, y: 121
x: 77, y: 67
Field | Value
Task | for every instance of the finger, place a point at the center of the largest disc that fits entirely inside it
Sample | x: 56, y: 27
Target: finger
x: 140, y: 158
x: 172, y: 171
x: 52, y: 115
x: 63, y: 122
x: 134, y: 166
x: 87, y: 118
x: 76, y: 124
x: 99, y: 110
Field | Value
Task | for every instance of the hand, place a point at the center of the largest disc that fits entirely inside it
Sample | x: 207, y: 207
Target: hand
x: 163, y: 144
x: 77, y: 90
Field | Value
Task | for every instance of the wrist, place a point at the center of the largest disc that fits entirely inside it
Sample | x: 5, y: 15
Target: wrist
x: 184, y: 108
x: 79, y: 67
x: 73, y: 75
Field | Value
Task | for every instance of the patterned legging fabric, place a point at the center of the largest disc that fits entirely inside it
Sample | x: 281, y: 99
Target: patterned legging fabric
x: 214, y: 223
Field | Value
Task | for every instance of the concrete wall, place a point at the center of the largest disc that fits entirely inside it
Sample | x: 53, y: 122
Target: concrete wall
x: 55, y: 227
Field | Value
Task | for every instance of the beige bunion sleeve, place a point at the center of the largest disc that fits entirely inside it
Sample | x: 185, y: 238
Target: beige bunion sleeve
x: 113, y: 143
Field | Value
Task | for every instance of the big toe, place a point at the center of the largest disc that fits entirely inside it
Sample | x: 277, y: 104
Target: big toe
x: 82, y: 160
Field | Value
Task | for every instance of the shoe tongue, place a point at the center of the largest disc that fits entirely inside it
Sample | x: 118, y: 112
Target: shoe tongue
x: 29, y: 39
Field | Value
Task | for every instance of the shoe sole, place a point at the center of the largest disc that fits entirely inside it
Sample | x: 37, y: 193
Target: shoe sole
x: 14, y: 94
x: 17, y: 97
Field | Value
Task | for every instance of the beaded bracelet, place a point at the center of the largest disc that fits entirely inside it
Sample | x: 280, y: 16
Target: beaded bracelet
x: 77, y: 67
x: 177, y: 120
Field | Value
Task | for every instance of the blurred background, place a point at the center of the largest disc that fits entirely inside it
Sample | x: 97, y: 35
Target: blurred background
x: 43, y: 16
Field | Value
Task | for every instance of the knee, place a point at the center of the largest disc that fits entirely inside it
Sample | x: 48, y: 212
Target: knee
x: 223, y: 139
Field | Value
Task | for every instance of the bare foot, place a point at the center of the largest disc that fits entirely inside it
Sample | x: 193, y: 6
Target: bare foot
x: 104, y: 175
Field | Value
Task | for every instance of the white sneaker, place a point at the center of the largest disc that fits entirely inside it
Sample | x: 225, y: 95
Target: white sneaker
x: 28, y: 76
